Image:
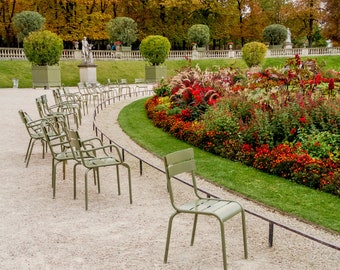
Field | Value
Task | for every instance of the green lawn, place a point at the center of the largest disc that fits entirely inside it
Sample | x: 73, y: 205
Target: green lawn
x: 116, y: 69
x: 300, y: 201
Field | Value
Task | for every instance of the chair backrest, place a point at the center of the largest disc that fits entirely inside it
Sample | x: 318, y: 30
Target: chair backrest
x: 40, y: 107
x: 74, y: 139
x: 54, y: 133
x: 177, y: 163
x: 33, y: 127
x: 56, y: 96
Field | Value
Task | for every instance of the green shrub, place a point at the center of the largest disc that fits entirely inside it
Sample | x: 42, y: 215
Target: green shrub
x: 155, y: 49
x: 275, y: 34
x: 26, y: 22
x: 253, y: 53
x: 43, y: 48
x: 199, y: 33
x: 123, y: 29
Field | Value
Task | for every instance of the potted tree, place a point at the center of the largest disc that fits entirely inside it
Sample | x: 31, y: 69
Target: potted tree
x: 199, y: 35
x: 155, y: 49
x: 44, y: 49
x: 124, y: 30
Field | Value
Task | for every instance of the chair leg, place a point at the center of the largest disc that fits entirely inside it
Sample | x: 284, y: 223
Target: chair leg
x: 75, y: 181
x: 64, y: 170
x: 129, y: 179
x: 29, y: 151
x: 245, y: 246
x: 53, y: 177
x: 224, y: 252
x: 168, y: 237
x: 194, y: 230
x: 86, y: 203
x: 98, y: 179
x: 118, y: 179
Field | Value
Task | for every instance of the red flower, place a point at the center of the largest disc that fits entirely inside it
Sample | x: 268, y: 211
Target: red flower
x: 331, y: 84
x: 318, y: 79
x: 303, y: 120
x: 293, y: 131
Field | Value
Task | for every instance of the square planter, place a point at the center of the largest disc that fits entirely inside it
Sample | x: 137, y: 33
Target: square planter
x: 155, y: 73
x: 46, y: 76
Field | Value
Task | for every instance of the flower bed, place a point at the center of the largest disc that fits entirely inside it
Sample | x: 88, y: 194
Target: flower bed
x: 284, y: 122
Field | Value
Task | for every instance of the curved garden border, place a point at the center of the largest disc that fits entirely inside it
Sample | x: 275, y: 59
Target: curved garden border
x: 103, y: 136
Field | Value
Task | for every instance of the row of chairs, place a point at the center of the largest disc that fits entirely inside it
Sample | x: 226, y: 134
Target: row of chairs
x: 65, y: 145
x: 96, y: 92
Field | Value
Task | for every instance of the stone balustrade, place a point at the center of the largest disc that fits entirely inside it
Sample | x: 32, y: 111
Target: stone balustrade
x: 18, y: 54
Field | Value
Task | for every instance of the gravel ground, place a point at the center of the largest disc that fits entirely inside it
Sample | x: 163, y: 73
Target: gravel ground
x: 38, y: 232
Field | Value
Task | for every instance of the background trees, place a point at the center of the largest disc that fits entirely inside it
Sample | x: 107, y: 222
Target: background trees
x: 239, y: 21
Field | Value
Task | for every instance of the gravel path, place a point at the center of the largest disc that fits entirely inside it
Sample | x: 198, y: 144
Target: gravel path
x: 38, y: 232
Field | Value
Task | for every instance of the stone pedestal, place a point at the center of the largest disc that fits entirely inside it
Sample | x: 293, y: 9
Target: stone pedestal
x: 289, y: 45
x: 88, y: 72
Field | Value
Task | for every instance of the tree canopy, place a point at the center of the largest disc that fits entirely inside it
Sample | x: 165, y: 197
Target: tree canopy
x: 237, y: 21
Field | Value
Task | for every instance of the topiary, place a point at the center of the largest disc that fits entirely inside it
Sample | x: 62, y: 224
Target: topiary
x: 155, y: 49
x: 254, y: 53
x: 26, y: 22
x: 275, y: 34
x: 43, y: 48
x: 199, y: 34
x: 123, y: 29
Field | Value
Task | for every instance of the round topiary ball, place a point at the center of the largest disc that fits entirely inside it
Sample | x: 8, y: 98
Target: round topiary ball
x: 155, y: 49
x: 254, y: 53
x: 275, y: 34
x: 43, y: 48
x: 200, y: 34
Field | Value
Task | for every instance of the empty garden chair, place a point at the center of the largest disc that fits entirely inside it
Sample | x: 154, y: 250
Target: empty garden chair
x: 95, y: 157
x: 183, y: 162
x: 35, y: 133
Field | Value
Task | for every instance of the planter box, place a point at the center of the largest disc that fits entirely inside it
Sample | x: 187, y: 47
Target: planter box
x: 155, y: 73
x: 46, y: 76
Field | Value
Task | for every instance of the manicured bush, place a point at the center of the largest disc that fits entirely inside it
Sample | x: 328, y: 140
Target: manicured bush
x: 43, y: 48
x: 275, y: 34
x: 199, y: 34
x: 123, y: 29
x: 254, y: 53
x: 155, y: 49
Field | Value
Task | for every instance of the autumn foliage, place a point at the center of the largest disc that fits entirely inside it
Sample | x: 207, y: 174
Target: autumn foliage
x: 227, y: 20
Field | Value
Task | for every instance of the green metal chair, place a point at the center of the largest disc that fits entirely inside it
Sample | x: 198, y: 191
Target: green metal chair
x: 33, y: 128
x: 93, y: 157
x: 57, y: 141
x: 183, y: 162
x: 66, y: 105
x: 76, y: 97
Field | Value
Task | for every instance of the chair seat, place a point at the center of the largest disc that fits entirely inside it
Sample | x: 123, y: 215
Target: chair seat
x: 64, y: 155
x: 101, y: 162
x: 223, y: 209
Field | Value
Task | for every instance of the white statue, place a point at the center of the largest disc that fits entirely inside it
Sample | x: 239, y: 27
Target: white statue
x: 288, y: 43
x: 86, y: 50
x: 289, y: 36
